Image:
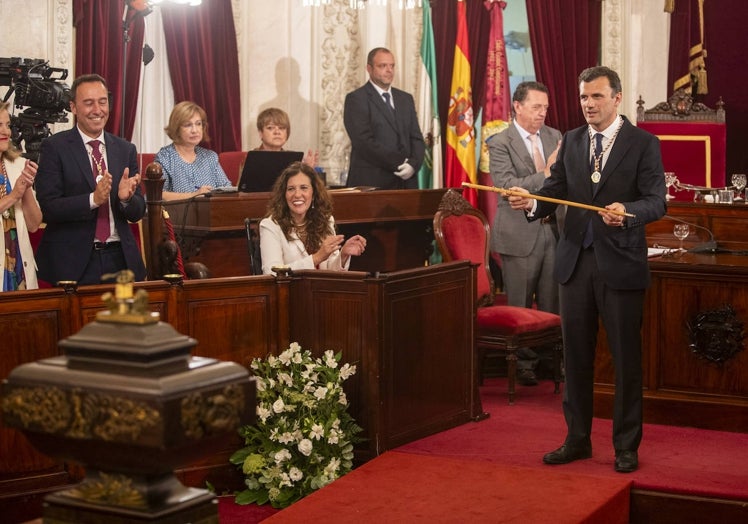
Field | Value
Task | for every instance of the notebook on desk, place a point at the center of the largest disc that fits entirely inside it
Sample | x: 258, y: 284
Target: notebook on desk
x: 262, y: 169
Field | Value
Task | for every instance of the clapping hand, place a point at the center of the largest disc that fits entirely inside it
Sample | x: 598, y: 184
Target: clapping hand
x: 26, y: 180
x: 405, y: 170
x: 354, y: 246
x: 127, y: 185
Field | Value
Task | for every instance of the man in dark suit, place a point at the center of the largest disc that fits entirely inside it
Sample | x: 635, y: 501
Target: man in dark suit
x: 387, y: 143
x: 521, y: 155
x: 601, y: 259
x: 87, y: 194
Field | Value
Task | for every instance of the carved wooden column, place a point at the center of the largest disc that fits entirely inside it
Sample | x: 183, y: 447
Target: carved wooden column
x: 154, y: 186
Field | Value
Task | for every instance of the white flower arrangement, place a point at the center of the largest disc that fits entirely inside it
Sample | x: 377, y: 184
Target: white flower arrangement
x: 304, y: 436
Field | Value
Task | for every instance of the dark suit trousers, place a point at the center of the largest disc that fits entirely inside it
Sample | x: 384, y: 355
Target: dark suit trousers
x: 102, y: 262
x: 584, y: 298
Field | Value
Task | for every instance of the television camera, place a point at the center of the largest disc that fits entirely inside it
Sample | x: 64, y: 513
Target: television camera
x: 39, y: 89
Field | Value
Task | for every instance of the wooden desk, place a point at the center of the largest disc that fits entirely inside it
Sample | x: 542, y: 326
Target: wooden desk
x: 682, y: 386
x: 727, y: 222
x: 396, y: 224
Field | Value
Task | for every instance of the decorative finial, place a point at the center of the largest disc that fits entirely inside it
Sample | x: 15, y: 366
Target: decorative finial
x: 123, y: 306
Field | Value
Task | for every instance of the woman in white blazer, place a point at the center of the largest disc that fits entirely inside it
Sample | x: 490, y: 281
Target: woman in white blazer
x: 299, y: 229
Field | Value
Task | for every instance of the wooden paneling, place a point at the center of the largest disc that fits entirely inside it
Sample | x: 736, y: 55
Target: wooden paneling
x: 680, y: 386
x: 415, y: 376
x: 396, y: 224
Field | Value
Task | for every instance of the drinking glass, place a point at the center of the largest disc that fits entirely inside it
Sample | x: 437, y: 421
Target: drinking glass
x: 739, y: 181
x: 681, y: 232
x: 669, y: 182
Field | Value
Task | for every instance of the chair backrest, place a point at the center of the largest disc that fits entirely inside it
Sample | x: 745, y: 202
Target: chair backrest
x: 693, y: 138
x: 462, y: 233
x: 252, y: 227
x: 232, y: 163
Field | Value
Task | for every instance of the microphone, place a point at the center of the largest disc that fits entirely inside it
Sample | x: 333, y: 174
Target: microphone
x: 710, y: 246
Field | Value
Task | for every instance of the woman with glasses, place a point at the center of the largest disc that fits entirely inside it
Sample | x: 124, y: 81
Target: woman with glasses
x: 189, y: 170
x: 274, y: 128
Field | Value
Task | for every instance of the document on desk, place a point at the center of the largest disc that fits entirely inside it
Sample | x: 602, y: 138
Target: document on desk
x: 659, y: 251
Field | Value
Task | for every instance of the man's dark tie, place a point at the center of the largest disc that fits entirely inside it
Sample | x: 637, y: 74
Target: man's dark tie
x: 598, y: 151
x: 386, y: 97
x: 99, y: 168
x: 587, y: 240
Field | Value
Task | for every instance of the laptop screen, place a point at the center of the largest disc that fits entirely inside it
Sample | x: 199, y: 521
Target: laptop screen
x: 262, y: 169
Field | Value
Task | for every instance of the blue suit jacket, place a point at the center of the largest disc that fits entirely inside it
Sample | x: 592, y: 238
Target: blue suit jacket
x: 63, y: 185
x: 633, y: 175
x: 382, y: 140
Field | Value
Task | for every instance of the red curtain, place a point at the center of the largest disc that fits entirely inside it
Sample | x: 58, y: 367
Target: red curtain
x: 204, y: 66
x: 99, y: 48
x: 565, y: 39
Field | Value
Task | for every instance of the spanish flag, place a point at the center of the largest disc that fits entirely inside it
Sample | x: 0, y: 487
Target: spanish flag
x: 460, y: 154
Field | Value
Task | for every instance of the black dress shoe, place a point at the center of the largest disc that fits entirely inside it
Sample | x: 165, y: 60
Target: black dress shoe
x: 568, y: 453
x: 527, y: 377
x: 626, y: 461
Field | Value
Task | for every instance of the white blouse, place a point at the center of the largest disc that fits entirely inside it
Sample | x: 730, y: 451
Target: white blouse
x: 276, y: 250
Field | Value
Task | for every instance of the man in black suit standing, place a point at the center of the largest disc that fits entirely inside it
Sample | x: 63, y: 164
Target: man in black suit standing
x: 387, y: 143
x: 88, y: 188
x: 601, y: 259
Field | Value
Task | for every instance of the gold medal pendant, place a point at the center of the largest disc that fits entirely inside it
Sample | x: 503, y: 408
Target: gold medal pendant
x: 595, y: 177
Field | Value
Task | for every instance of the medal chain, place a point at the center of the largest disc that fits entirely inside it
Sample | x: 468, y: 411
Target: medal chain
x: 598, y: 159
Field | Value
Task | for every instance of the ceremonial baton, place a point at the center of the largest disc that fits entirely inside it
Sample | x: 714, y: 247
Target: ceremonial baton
x: 509, y: 192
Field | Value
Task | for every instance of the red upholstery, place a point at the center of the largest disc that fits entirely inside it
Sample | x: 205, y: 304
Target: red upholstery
x: 232, y: 163
x: 462, y: 233
x: 687, y: 148
x: 511, y: 320
x: 466, y: 237
x: 143, y: 160
x: 693, y: 139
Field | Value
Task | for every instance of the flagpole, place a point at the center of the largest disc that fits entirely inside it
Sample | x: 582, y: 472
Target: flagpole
x: 509, y: 192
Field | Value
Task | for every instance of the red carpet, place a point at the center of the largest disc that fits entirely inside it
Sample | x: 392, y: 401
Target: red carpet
x: 402, y: 487
x: 672, y: 459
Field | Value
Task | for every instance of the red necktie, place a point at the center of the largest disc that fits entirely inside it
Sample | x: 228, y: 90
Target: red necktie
x: 99, y: 168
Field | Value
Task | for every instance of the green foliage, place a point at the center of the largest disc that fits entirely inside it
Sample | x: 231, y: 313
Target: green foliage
x: 304, y: 436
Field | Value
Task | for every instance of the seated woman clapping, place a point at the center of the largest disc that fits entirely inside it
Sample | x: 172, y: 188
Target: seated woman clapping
x: 299, y: 229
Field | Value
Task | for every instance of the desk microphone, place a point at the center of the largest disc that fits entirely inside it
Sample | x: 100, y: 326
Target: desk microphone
x: 710, y: 246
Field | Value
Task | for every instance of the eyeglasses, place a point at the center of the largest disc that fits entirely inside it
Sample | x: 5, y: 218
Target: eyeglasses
x: 188, y: 125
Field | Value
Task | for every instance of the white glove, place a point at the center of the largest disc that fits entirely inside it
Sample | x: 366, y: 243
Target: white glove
x: 405, y: 171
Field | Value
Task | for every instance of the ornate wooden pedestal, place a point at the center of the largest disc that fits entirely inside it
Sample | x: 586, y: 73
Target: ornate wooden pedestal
x: 129, y: 403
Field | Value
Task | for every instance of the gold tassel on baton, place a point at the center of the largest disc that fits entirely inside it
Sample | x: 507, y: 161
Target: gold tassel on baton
x: 509, y: 192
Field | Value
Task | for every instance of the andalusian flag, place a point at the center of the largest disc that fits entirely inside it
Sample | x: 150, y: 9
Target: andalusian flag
x: 496, y: 111
x: 430, y: 175
x: 460, y: 164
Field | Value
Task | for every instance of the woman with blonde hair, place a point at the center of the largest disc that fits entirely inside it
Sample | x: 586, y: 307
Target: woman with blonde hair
x: 189, y: 169
x: 19, y: 212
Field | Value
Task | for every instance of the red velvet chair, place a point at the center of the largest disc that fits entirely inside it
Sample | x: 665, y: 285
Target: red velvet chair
x: 462, y: 233
x: 232, y: 163
x: 693, y: 139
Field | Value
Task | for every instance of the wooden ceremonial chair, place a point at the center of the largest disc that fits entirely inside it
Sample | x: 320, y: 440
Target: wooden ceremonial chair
x: 693, y: 139
x: 462, y: 233
x: 232, y: 163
